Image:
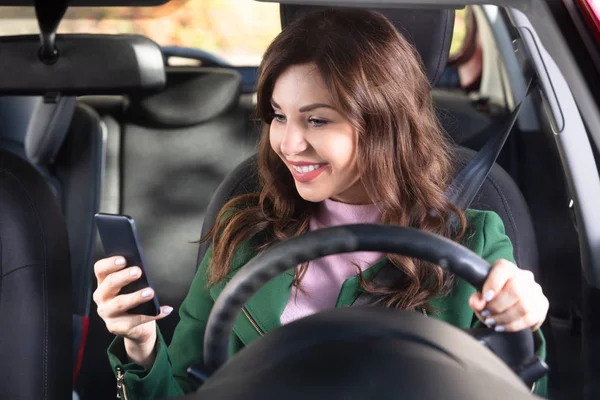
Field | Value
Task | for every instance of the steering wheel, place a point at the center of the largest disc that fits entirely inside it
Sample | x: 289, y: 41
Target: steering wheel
x: 515, y: 349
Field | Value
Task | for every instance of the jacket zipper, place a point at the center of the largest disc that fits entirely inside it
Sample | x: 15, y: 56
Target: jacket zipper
x: 121, y: 390
x: 253, y: 322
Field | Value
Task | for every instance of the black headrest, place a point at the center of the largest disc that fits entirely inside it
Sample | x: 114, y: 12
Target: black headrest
x: 430, y: 30
x: 192, y: 96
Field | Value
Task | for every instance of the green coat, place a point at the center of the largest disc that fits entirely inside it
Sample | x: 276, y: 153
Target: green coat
x: 168, y: 377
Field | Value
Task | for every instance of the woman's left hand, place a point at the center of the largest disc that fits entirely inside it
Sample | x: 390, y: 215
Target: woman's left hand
x: 511, y: 300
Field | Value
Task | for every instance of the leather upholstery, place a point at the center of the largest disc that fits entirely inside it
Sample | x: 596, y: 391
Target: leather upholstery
x: 64, y: 142
x: 35, y: 300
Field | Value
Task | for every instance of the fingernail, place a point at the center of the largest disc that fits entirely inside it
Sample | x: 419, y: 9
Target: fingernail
x: 133, y: 272
x: 167, y: 310
x: 485, y: 313
x: 490, y: 321
x: 489, y: 295
x: 147, y: 293
x: 499, y: 328
x: 120, y: 261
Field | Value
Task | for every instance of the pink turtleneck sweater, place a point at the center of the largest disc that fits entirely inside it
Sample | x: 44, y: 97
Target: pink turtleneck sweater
x: 325, y: 276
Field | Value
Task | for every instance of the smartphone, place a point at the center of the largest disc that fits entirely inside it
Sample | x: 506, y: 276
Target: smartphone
x: 119, y: 238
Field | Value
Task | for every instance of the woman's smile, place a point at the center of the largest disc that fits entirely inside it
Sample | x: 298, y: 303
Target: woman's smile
x: 305, y: 172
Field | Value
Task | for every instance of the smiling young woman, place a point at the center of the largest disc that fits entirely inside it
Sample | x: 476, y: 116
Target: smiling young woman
x: 349, y: 136
x: 351, y: 101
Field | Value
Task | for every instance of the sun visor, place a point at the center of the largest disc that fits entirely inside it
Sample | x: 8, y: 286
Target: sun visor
x: 85, y: 64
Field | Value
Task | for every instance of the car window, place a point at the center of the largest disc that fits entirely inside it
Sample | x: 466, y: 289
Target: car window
x: 460, y: 32
x: 237, y: 31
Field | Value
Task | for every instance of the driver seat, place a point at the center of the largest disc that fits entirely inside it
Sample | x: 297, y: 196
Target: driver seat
x: 499, y: 192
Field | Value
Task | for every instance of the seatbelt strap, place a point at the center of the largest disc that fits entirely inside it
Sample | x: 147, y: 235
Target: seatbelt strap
x: 462, y: 190
x: 48, y: 128
x: 468, y: 181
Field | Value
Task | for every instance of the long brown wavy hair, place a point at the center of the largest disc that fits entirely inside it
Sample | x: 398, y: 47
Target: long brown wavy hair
x: 405, y: 159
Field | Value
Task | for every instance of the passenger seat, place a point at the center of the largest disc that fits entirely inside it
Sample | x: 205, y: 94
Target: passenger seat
x: 64, y: 142
x: 35, y: 301
x: 166, y: 155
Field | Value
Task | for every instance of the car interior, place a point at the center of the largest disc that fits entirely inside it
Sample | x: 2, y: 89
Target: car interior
x: 170, y: 144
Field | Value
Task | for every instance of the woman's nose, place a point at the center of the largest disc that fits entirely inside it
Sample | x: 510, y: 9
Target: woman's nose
x: 293, y: 141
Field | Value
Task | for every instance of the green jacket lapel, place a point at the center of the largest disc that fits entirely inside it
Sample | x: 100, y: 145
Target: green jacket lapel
x: 263, y: 310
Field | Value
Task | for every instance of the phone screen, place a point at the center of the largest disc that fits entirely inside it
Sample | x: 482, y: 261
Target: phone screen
x: 119, y: 238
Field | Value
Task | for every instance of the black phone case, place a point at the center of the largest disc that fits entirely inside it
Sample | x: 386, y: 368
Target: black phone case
x: 119, y: 238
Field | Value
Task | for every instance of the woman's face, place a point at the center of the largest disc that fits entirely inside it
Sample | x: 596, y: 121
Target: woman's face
x: 314, y: 140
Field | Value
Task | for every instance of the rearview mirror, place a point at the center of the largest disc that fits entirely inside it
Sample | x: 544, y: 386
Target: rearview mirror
x: 86, y: 64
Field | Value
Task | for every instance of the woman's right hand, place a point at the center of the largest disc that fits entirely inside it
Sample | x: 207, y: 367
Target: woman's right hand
x: 112, y: 275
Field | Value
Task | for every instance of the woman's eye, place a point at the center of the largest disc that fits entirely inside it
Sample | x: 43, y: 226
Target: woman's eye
x: 317, y: 122
x: 278, y: 118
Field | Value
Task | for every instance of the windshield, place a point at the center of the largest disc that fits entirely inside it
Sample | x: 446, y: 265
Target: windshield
x: 237, y: 31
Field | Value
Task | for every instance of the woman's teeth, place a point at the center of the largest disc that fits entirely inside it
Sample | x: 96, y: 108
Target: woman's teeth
x: 307, y: 168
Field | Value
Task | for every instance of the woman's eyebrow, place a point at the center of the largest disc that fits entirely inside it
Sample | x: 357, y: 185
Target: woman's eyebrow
x: 314, y: 106
x: 307, y: 108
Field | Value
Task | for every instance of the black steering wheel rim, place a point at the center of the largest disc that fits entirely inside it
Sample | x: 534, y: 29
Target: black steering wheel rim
x: 281, y: 257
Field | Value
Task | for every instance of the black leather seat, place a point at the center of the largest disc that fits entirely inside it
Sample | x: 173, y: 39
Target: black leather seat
x: 64, y: 142
x: 431, y: 32
x: 35, y: 282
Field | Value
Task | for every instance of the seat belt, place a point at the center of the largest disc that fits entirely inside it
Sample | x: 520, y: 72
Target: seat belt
x: 468, y: 181
x: 462, y: 190
x: 48, y: 128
